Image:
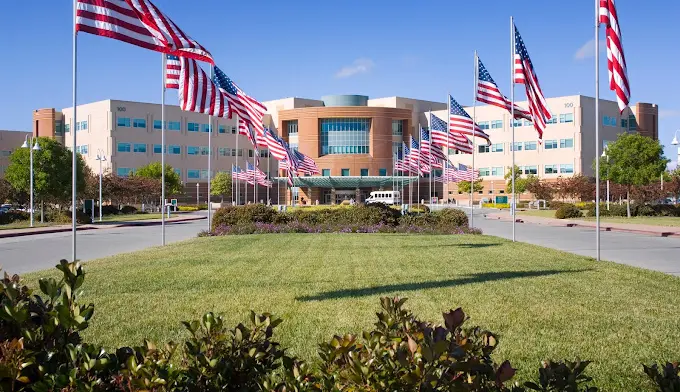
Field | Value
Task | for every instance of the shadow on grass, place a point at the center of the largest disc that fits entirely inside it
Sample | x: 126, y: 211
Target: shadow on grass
x: 436, y: 284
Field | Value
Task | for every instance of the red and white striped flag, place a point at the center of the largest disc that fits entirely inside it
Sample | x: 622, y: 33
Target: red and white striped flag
x: 616, y: 61
x: 274, y: 145
x: 460, y: 122
x: 197, y: 93
x: 489, y: 93
x: 248, y: 109
x: 173, y: 67
x: 525, y: 74
x: 441, y: 136
x: 137, y: 22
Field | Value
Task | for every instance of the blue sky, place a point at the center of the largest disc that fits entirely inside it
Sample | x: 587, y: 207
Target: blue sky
x: 306, y: 48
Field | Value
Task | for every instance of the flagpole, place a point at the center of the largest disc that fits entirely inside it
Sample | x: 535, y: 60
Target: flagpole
x: 232, y: 184
x: 429, y: 159
x: 597, y: 131
x: 474, y: 144
x: 269, y: 171
x: 254, y: 175
x: 210, y: 134
x: 512, y: 117
x: 163, y: 80
x: 420, y: 141
x: 238, y: 185
x: 74, y: 127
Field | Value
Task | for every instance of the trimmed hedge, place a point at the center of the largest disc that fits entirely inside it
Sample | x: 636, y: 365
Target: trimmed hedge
x: 568, y: 211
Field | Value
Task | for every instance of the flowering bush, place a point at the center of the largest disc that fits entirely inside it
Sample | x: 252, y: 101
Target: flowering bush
x: 298, y: 227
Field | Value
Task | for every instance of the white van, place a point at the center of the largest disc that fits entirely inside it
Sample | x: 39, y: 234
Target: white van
x: 386, y: 197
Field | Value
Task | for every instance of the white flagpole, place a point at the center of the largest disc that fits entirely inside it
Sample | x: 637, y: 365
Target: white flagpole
x: 232, y: 183
x: 474, y: 144
x: 163, y: 65
x: 429, y: 159
x: 74, y: 127
x: 238, y: 186
x: 448, y: 122
x: 512, y: 117
x: 420, y: 150
x: 210, y: 135
x: 254, y: 175
x: 269, y: 171
x: 597, y: 131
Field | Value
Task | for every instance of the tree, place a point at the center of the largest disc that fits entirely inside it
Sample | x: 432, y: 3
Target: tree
x: 633, y: 160
x: 673, y: 184
x: 173, y: 184
x: 131, y: 190
x: 520, y: 183
x: 221, y: 184
x: 7, y: 192
x: 52, y: 171
x: 542, y: 190
x: 464, y: 186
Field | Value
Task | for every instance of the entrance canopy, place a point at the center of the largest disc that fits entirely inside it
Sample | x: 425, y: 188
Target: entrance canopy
x: 348, y: 181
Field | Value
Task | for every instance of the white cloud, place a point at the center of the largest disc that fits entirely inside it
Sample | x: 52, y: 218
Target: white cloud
x: 359, y: 66
x: 667, y: 113
x: 588, y: 50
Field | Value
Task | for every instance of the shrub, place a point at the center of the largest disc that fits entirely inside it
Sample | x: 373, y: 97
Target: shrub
x: 345, y: 203
x: 666, y: 210
x: 251, y: 213
x: 555, y: 205
x: 187, y: 208
x: 666, y: 380
x: 568, y: 211
x: 451, y: 216
x: 14, y: 216
x: 496, y: 205
x: 64, y: 217
x: 419, y: 208
x: 128, y: 210
x: 110, y: 210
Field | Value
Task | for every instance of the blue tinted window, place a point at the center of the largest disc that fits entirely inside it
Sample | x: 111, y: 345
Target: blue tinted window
x: 174, y: 126
x: 139, y: 147
x: 178, y: 172
x: 157, y: 124
x: 398, y: 127
x: 567, y: 168
x: 124, y: 171
x: 344, y: 172
x: 123, y: 147
x: 550, y: 169
x: 191, y: 173
x: 364, y: 172
x: 192, y: 127
x: 292, y: 127
x: 497, y: 124
x: 382, y: 172
x: 123, y: 122
x: 550, y: 144
x: 566, y: 143
x: 222, y: 129
x: 483, y: 124
x: 138, y: 123
x: 174, y: 149
x: 530, y: 146
x: 83, y: 125
x: 157, y: 149
x: 205, y: 127
x: 326, y: 172
x: 566, y: 117
x: 345, y: 135
x: 193, y: 150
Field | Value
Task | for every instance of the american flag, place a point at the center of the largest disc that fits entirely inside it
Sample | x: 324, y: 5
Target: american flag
x: 406, y: 160
x: 434, y: 155
x: 488, y: 92
x: 461, y: 122
x: 616, y: 61
x: 274, y: 145
x: 246, y: 130
x: 239, y: 174
x: 439, y: 131
x: 466, y: 173
x: 247, y: 108
x: 137, y: 22
x: 172, y: 71
x: 197, y: 93
x: 255, y: 173
x: 525, y: 74
x: 307, y: 164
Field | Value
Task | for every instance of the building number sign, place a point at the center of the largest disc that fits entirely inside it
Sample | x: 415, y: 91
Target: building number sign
x: 121, y: 108
x: 569, y: 105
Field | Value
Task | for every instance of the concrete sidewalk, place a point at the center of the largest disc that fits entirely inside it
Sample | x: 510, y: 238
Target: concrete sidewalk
x: 95, y: 226
x: 651, y: 230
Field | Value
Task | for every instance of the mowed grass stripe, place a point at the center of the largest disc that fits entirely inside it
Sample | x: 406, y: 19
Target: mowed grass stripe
x: 543, y: 303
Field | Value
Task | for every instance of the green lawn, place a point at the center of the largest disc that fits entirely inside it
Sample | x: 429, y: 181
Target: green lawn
x: 542, y: 303
x: 128, y: 217
x: 26, y: 225
x: 637, y: 220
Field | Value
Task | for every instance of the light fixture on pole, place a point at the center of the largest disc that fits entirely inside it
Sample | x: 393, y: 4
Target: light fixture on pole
x: 676, y: 143
x: 27, y: 143
x: 604, y: 155
x: 101, y: 158
x: 198, y: 200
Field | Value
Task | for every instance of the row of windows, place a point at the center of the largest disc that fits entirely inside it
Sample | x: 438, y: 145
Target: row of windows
x: 346, y: 172
x: 499, y: 171
x: 82, y: 149
x: 564, y: 118
x: 345, y: 135
x: 613, y: 121
x: 398, y: 127
x: 527, y: 146
x: 292, y: 127
x: 174, y: 149
x: 170, y: 125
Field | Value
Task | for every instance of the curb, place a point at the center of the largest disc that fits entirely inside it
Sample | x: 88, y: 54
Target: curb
x: 570, y: 223
x: 95, y: 227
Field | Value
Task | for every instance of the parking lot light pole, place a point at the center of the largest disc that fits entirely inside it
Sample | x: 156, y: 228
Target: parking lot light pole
x: 604, y: 155
x: 36, y: 147
x: 101, y: 158
x: 198, y: 200
x: 676, y: 143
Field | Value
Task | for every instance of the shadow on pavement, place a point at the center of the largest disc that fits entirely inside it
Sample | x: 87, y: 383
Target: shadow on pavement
x: 436, y: 284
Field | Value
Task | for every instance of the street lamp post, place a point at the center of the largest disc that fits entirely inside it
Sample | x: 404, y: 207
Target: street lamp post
x: 27, y: 143
x: 676, y: 143
x: 198, y: 199
x: 604, y: 155
x: 101, y: 158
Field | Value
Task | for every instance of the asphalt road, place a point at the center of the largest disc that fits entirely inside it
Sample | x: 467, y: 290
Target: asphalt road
x: 638, y: 250
x: 37, y: 252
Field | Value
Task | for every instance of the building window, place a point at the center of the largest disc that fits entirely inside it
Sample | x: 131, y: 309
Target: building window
x: 364, y: 172
x: 344, y: 172
x: 250, y: 153
x: 518, y: 146
x: 382, y: 172
x: 139, y: 147
x: 233, y: 130
x: 123, y: 147
x: 157, y: 124
x: 529, y: 146
x: 552, y: 120
x: 174, y: 149
x: 67, y: 128
x: 610, y: 121
x: 567, y: 168
x: 483, y: 124
x: 483, y: 148
x: 498, y: 147
x: 624, y: 123
x: 204, y: 174
x: 174, y: 126
x: 517, y: 123
x: 205, y: 150
x: 264, y: 153
x: 240, y: 152
x: 397, y: 127
x: 550, y: 145
x: 5, y: 153
x: 83, y: 125
x: 157, y: 149
x: 82, y: 149
x: 205, y: 127
x: 484, y: 172
x: 193, y: 174
x: 224, y: 151
x: 528, y: 169
x: 221, y: 129
x: 123, y: 122
x: 527, y: 123
x: 192, y: 127
x: 345, y: 135
x: 497, y: 171
x: 566, y: 143
x: 178, y: 172
x: 292, y: 127
x: 138, y: 123
x: 58, y: 128
x: 566, y: 118
x: 124, y: 171
x: 497, y: 124
x: 550, y: 169
x: 193, y: 150
x: 326, y: 172
x: 632, y: 123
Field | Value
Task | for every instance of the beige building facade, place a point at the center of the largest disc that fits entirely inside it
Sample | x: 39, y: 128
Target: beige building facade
x: 9, y: 141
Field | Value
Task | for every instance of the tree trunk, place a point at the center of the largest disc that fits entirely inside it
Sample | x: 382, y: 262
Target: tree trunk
x: 628, y: 202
